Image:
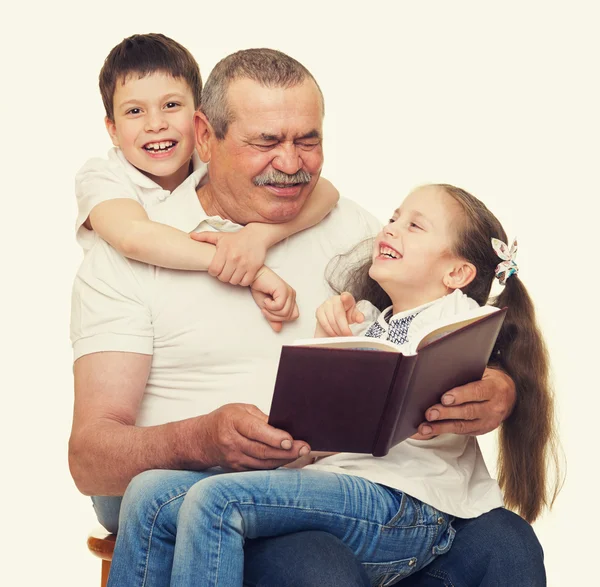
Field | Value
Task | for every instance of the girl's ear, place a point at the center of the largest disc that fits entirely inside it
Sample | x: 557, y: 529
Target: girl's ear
x: 111, y: 127
x: 460, y: 275
x: 204, y: 134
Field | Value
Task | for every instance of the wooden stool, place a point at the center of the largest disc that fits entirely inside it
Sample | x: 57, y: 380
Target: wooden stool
x: 102, y: 543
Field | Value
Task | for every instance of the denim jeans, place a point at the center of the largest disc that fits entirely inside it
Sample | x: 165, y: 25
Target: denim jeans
x: 212, y: 514
x: 497, y: 549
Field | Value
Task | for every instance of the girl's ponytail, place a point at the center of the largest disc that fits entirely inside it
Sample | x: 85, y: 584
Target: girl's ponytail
x: 526, y: 438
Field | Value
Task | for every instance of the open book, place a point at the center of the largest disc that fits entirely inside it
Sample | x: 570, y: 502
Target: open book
x: 361, y: 394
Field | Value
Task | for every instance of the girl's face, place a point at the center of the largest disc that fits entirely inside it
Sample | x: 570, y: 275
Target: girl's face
x: 412, y: 255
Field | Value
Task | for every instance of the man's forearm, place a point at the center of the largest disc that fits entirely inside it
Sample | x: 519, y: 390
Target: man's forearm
x: 106, y: 455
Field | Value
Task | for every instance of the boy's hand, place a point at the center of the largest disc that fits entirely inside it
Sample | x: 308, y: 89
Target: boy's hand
x: 336, y: 314
x: 275, y: 298
x: 239, y: 255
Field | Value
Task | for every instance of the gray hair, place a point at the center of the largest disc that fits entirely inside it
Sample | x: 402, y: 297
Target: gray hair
x: 268, y: 67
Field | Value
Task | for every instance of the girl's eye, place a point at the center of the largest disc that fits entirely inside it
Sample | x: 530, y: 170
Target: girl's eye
x: 391, y: 221
x: 413, y: 225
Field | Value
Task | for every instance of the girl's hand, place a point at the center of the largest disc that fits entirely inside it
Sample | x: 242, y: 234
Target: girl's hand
x: 335, y: 316
x: 239, y: 255
x: 275, y: 298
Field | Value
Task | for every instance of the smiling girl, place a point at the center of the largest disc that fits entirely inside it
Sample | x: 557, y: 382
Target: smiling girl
x: 437, y: 257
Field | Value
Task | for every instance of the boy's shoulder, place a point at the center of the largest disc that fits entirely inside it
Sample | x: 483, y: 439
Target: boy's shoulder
x: 114, y: 164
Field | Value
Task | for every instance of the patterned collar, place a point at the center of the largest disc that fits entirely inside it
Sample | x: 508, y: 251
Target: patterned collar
x: 394, y: 327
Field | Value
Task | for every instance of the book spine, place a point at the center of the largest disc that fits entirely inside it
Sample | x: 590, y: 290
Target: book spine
x: 392, y: 409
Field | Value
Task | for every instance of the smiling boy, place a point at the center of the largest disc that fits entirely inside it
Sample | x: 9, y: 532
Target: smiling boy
x: 151, y: 89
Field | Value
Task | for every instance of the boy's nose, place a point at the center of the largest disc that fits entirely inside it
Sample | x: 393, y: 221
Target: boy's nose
x: 156, y: 122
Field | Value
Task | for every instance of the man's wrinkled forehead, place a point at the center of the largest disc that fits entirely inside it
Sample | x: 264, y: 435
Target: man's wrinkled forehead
x: 249, y: 99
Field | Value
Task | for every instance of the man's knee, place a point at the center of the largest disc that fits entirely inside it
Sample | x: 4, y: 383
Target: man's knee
x: 496, y: 548
x: 501, y: 527
x: 303, y: 559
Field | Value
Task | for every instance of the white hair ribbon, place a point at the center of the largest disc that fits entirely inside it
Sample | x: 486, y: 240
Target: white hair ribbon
x: 508, y: 266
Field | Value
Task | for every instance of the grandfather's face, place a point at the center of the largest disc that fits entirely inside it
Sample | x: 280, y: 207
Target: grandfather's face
x: 271, y: 157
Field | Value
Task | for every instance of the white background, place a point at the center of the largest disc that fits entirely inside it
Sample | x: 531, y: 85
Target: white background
x: 499, y: 98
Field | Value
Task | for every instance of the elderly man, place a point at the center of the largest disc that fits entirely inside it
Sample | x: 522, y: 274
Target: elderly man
x: 196, y: 401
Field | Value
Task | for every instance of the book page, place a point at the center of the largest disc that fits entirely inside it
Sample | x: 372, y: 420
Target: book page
x: 438, y: 330
x: 349, y: 342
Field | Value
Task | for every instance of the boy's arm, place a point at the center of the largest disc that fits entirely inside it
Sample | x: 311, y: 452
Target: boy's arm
x: 321, y: 201
x: 241, y: 254
x: 124, y: 224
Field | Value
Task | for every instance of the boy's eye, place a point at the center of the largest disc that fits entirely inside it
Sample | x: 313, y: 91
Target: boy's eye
x: 133, y: 111
x: 413, y: 225
x: 172, y: 105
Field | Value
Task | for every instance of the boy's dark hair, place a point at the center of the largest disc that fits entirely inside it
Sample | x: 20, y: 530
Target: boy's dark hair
x: 144, y: 55
x: 527, y: 438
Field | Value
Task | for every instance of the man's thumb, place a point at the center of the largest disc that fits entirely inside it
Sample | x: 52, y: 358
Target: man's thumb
x: 206, y: 237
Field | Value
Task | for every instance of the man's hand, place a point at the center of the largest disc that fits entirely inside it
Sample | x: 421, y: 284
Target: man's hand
x: 335, y: 315
x: 275, y: 298
x: 237, y: 437
x: 239, y: 254
x: 475, y: 408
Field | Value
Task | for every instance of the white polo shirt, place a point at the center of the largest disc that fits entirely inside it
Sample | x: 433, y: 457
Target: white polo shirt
x: 210, y: 343
x: 112, y: 178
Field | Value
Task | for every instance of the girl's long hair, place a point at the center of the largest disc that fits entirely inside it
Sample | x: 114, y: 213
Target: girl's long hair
x: 527, y: 438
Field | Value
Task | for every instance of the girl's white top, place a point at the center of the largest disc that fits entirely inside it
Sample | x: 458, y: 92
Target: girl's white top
x: 447, y: 472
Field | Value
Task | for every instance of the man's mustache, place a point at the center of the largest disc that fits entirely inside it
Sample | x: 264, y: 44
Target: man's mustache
x: 278, y: 177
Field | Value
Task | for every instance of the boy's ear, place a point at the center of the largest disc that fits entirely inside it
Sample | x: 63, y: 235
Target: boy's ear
x: 111, y: 127
x: 204, y: 134
x: 460, y: 275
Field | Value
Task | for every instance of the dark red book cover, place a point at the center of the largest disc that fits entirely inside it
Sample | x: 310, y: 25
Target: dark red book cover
x: 366, y: 401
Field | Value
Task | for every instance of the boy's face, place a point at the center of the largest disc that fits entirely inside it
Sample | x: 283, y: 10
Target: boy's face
x: 153, y: 126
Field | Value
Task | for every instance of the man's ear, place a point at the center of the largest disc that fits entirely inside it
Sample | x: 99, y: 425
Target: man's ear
x: 204, y: 135
x: 111, y: 127
x: 460, y: 275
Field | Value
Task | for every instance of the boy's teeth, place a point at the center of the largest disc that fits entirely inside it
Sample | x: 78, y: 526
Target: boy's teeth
x: 161, y: 146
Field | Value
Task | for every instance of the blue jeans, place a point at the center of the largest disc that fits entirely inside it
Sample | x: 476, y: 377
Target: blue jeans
x: 497, y: 549
x: 211, y: 515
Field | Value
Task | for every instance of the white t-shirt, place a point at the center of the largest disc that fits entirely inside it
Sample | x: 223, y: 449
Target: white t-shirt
x: 108, y: 179
x: 210, y: 343
x: 447, y: 472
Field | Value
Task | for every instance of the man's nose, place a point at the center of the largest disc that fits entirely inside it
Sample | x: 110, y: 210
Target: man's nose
x: 156, y: 121
x: 287, y: 159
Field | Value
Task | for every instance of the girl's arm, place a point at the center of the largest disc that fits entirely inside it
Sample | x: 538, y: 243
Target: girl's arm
x: 124, y: 224
x: 241, y: 254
